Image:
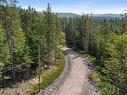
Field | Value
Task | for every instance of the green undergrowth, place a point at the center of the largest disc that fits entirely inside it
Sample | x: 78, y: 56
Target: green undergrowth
x: 49, y: 77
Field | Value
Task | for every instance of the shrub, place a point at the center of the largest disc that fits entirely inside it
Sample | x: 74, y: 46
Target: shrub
x: 94, y: 76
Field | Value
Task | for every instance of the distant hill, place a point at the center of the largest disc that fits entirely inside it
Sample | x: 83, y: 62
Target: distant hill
x: 101, y: 16
x: 106, y: 15
x: 67, y: 15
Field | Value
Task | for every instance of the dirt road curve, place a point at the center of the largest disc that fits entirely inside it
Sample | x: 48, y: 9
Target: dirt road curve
x: 76, y: 83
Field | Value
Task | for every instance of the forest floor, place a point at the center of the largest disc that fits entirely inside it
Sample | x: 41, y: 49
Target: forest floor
x: 17, y: 89
x: 77, y: 82
x: 21, y: 88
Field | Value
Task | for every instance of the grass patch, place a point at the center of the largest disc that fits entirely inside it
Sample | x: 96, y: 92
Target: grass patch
x: 94, y: 76
x: 49, y: 77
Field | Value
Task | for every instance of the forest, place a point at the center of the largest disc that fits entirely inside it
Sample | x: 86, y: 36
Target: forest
x: 29, y: 42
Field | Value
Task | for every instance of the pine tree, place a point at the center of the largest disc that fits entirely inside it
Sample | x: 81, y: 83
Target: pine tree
x: 50, y: 34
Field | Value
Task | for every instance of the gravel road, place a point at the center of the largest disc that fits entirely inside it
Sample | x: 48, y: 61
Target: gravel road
x: 76, y: 83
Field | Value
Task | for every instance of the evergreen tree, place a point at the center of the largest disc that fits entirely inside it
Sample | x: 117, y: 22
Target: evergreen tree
x: 50, y: 28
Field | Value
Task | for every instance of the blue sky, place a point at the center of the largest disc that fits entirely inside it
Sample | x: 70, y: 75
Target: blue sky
x: 78, y: 6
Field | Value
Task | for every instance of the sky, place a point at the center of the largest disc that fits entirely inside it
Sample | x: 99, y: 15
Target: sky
x: 78, y: 6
